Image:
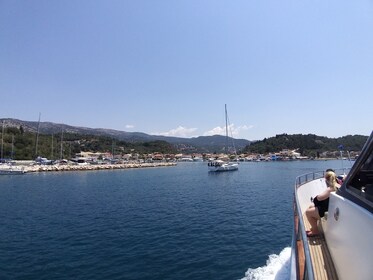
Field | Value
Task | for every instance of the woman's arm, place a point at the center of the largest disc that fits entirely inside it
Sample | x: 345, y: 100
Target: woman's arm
x: 325, y: 194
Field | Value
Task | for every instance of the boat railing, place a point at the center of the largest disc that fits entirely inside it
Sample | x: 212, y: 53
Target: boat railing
x: 300, y: 234
x: 305, y: 178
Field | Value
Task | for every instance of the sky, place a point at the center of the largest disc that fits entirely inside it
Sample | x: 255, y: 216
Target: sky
x: 168, y: 67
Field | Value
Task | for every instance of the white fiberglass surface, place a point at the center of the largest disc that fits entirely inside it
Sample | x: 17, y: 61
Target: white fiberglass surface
x: 348, y: 234
x: 308, y: 190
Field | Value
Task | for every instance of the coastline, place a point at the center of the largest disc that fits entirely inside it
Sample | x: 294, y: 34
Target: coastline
x: 88, y: 167
x: 28, y: 166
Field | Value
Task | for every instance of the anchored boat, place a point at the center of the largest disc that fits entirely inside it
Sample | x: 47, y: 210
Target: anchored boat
x: 344, y: 249
x: 220, y: 165
x: 7, y: 169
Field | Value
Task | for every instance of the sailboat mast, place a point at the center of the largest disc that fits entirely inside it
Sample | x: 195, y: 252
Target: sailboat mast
x: 2, y: 142
x: 37, y: 137
x: 52, y: 146
x: 61, y: 150
x: 226, y: 130
x: 12, y: 147
x: 112, y: 148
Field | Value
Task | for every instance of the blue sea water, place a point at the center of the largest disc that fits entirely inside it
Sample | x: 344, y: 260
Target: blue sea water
x: 177, y: 222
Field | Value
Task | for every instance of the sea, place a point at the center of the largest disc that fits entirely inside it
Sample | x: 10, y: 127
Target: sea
x: 179, y: 222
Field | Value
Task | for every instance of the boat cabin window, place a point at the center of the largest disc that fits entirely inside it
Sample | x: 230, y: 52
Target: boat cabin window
x: 362, y: 183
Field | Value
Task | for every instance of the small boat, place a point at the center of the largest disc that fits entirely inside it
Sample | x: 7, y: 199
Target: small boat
x: 220, y: 165
x: 186, y: 159
x: 7, y: 169
x: 344, y: 249
x: 197, y: 159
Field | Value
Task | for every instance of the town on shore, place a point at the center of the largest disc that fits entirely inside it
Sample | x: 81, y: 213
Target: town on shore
x: 24, y: 147
x: 85, y: 161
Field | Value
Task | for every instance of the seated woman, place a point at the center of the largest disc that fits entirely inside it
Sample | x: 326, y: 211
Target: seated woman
x: 321, y: 202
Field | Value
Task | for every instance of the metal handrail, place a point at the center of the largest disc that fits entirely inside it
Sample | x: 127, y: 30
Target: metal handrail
x: 309, y: 269
x: 305, y: 178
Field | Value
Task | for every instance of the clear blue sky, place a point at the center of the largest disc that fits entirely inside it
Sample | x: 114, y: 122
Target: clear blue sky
x: 168, y: 67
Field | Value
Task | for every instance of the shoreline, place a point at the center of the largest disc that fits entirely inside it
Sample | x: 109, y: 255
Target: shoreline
x: 67, y: 167
x: 27, y: 167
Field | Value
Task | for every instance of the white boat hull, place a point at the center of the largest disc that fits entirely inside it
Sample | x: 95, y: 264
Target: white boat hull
x: 348, y: 232
x: 11, y: 171
x: 224, y: 167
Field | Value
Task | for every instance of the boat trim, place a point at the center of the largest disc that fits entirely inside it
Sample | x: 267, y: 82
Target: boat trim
x: 301, y: 236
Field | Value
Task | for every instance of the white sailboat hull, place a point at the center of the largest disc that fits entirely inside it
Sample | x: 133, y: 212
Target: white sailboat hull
x: 224, y: 167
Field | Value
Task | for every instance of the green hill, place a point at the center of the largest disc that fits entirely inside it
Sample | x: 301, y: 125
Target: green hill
x: 76, y: 139
x: 201, y: 144
x: 308, y: 145
x: 19, y: 144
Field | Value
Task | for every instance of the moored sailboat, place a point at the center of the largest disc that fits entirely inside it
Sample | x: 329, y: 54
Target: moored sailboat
x: 220, y: 165
x: 6, y: 166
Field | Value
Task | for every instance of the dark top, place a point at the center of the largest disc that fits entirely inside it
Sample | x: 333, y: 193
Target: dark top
x: 322, y: 206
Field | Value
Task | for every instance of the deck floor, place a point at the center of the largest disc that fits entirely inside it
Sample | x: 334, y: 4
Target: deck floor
x: 322, y: 262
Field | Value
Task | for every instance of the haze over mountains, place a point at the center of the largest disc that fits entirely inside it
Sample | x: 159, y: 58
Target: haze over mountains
x: 201, y: 143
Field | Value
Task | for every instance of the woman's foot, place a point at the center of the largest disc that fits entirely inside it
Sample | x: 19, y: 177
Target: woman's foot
x: 311, y: 233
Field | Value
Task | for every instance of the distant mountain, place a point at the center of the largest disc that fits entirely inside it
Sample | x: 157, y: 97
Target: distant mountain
x: 207, y: 144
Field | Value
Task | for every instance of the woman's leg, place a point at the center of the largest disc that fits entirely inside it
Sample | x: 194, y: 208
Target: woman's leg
x: 313, y: 216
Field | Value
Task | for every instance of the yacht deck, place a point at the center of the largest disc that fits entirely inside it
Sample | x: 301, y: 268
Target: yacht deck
x: 322, y: 262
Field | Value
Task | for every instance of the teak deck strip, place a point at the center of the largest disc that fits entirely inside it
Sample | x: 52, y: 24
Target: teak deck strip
x: 323, y: 266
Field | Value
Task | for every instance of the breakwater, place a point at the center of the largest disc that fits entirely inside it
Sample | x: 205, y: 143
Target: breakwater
x: 88, y: 167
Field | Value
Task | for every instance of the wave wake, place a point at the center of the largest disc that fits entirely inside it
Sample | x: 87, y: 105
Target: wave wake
x: 277, y: 268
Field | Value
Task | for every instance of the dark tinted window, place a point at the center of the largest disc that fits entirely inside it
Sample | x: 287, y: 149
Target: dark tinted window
x: 362, y: 182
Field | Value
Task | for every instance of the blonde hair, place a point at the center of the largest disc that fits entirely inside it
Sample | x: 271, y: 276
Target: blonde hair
x: 331, y: 180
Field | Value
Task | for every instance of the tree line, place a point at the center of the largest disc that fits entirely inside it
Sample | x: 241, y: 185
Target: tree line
x: 308, y: 145
x: 20, y: 145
